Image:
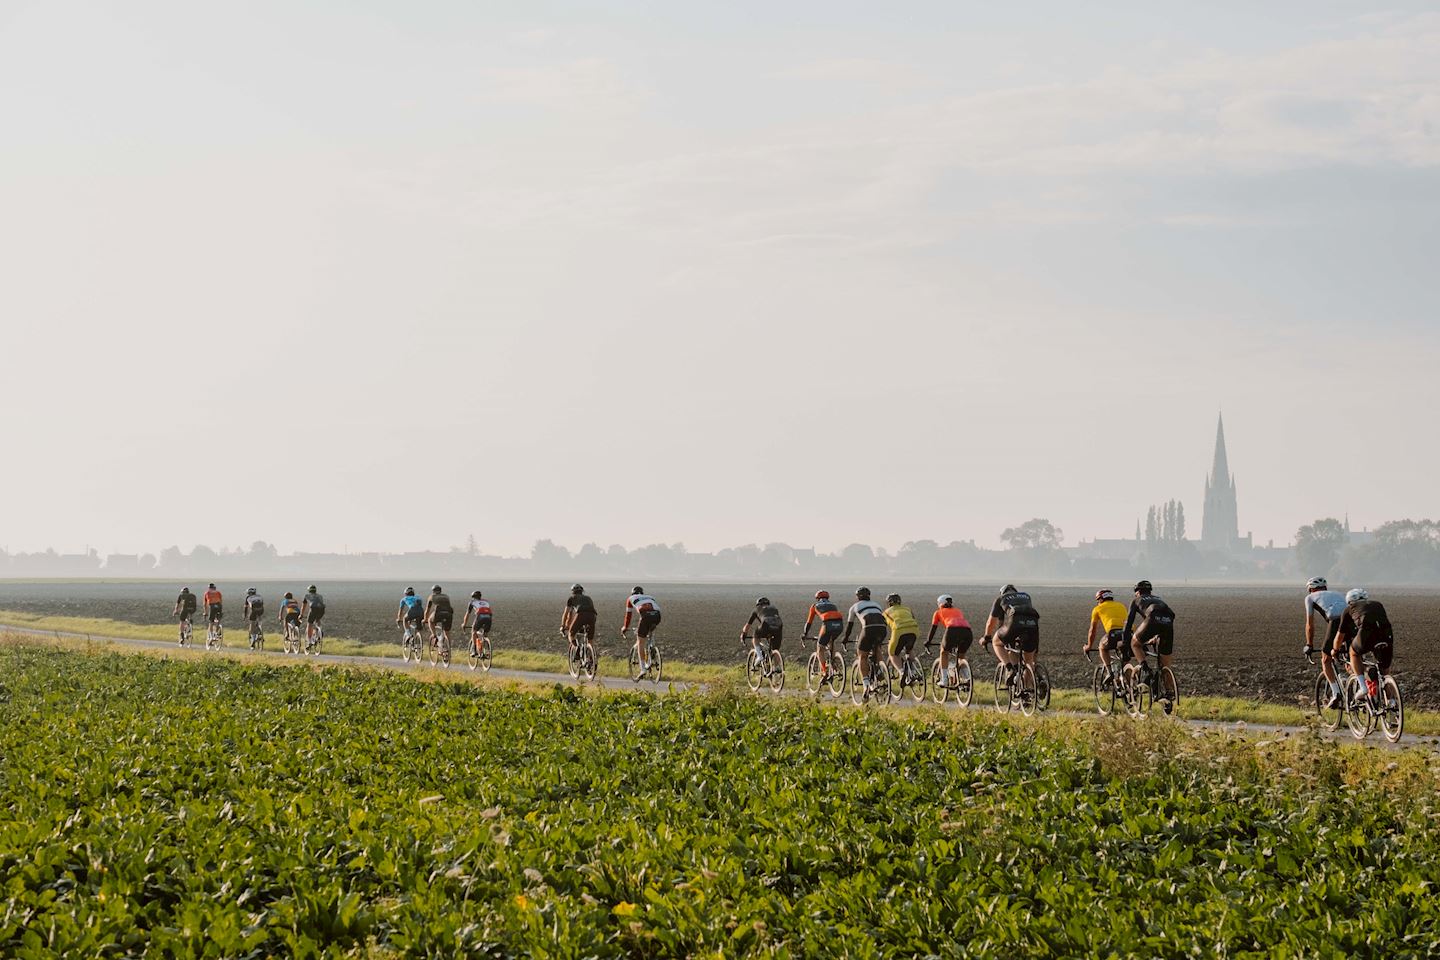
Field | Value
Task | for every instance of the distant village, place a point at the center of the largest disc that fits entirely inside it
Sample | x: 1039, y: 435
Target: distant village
x: 1403, y: 552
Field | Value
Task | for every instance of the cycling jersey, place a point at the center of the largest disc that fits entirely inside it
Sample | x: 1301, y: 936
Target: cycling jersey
x: 581, y: 604
x: 1328, y: 603
x: 901, y: 621
x: 212, y: 597
x: 949, y: 617
x: 254, y: 606
x: 439, y: 604
x: 315, y: 600
x: 186, y: 602
x: 410, y: 608
x: 1367, y: 623
x: 866, y: 613
x: 829, y: 616
x: 641, y: 605
x: 766, y: 618
x: 480, y: 608
x: 1110, y: 615
x: 290, y: 608
x: 1157, y: 622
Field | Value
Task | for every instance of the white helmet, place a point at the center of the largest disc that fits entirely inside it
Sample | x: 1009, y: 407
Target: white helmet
x: 1317, y: 583
x: 944, y: 600
x: 1356, y: 595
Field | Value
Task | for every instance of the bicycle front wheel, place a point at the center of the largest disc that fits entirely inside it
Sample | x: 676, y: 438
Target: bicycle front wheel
x: 857, y: 684
x: 1042, y: 687
x: 635, y: 673
x: 587, y: 660
x: 917, y: 678
x: 964, y: 683
x: 812, y: 674
x: 1027, y: 690
x: 939, y: 690
x: 777, y: 671
x: 754, y: 670
x: 1003, y: 703
x: 836, y: 681
x: 1103, y: 688
x: 1357, y: 708
x: 1330, y: 717
x: 1392, y: 711
x: 657, y: 665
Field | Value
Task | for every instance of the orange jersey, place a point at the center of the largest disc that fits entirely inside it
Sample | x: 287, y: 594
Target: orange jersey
x: 212, y: 597
x: 949, y: 617
x: 825, y: 612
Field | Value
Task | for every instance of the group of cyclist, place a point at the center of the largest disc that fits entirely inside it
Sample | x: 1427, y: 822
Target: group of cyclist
x: 1354, y: 626
x: 310, y: 609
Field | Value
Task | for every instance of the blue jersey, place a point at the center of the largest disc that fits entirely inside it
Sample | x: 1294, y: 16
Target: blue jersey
x: 412, y: 608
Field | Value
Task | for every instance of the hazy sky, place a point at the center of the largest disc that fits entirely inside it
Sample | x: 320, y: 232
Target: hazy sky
x: 379, y: 275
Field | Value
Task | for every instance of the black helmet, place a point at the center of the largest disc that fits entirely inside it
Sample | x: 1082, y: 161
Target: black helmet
x: 313, y: 588
x: 576, y: 588
x: 862, y: 593
x: 436, y: 589
x: 763, y: 602
x: 1008, y: 588
x: 250, y: 592
x: 892, y: 599
x: 212, y: 586
x: 475, y: 595
x: 1144, y: 587
x: 184, y: 589
x: 409, y: 591
x: 637, y: 591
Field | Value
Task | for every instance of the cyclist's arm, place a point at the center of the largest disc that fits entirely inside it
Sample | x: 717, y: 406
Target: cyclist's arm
x: 809, y: 619
x: 1130, y: 620
x: 849, y: 625
x: 629, y: 610
x: 1094, y: 629
x: 1309, y: 627
x: 934, y: 625
x: 992, y: 623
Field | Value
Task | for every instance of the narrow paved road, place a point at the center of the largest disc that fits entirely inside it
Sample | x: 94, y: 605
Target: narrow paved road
x: 1236, y: 728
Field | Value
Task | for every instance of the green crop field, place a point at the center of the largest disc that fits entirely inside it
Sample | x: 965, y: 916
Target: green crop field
x: 213, y: 807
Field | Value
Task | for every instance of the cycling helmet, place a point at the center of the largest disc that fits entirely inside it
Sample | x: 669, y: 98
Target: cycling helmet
x: 313, y: 588
x: 576, y: 588
x: 862, y: 593
x: 1144, y: 587
x: 250, y: 592
x: 892, y: 599
x: 763, y: 602
x: 637, y: 591
x: 1102, y: 596
x: 1356, y: 595
x: 289, y: 595
x: 944, y: 600
x: 475, y: 595
x: 184, y: 589
x: 212, y: 586
x: 409, y: 591
x: 822, y: 594
x: 1316, y: 583
x: 1008, y: 588
x: 436, y: 589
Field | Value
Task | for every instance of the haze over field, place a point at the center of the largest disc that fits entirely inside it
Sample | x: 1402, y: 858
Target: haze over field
x: 539, y: 270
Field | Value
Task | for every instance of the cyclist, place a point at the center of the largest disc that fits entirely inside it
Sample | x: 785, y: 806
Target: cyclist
x: 579, y: 616
x: 904, y: 629
x: 1013, y: 621
x: 1108, y: 618
x: 1330, y: 605
x: 831, y: 622
x: 254, y: 610
x: 767, y: 624
x: 411, y: 611
x: 871, y: 618
x: 184, y: 609
x: 1156, y: 621
x: 957, y: 637
x: 289, y: 612
x: 1366, y: 627
x: 212, y: 601
x: 479, y: 610
x: 439, y: 613
x: 646, y: 612
x: 312, y: 610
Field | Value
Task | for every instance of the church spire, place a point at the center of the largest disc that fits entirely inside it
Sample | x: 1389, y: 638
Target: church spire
x: 1220, y: 526
x: 1220, y: 470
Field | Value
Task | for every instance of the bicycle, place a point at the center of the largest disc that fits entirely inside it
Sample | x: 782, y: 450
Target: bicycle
x: 653, y: 668
x: 481, y: 653
x: 410, y: 641
x: 440, y: 647
x: 580, y: 655
x: 1365, y: 711
x: 1112, y: 685
x: 214, y: 635
x: 1015, y: 685
x: 1164, y: 688
x: 816, y: 675
x: 290, y: 642
x: 880, y: 690
x: 186, y: 630
x: 911, y: 677
x: 1330, y: 717
x: 257, y: 635
x: 763, y: 664
x: 313, y: 634
x: 962, y: 684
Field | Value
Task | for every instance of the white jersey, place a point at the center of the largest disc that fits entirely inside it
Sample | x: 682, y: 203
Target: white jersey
x: 641, y: 603
x: 867, y: 613
x: 1328, y: 603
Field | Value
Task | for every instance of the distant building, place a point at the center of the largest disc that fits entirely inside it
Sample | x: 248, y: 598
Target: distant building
x: 1220, y: 525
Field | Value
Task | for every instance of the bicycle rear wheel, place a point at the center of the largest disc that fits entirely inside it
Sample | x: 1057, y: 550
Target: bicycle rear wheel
x: 1392, y: 711
x: 657, y: 665
x: 754, y: 670
x: 635, y: 673
x: 884, y: 682
x: 857, y: 684
x: 1042, y: 687
x: 1003, y: 703
x: 812, y: 674
x: 777, y: 671
x: 836, y: 681
x: 1168, y: 693
x: 313, y: 647
x: 588, y: 663
x: 1103, y: 687
x: 1330, y: 717
x: 964, y: 683
x: 918, y: 679
x: 1027, y: 690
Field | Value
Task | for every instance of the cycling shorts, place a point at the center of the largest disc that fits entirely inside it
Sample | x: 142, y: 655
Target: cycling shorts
x: 214, y: 613
x: 773, y: 634
x: 1383, y: 649
x: 482, y: 625
x: 872, y: 636
x: 292, y: 616
x: 1024, y: 639
x: 315, y: 614
x: 1332, y: 630
x: 1161, y: 631
x: 1114, y: 640
x: 957, y: 640
x: 648, y: 623
x: 902, y: 645
x: 830, y: 631
x: 583, y: 625
x: 186, y: 613
x: 443, y: 618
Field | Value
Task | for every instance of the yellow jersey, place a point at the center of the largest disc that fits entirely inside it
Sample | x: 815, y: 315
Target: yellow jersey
x: 901, y: 621
x: 1111, y: 615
